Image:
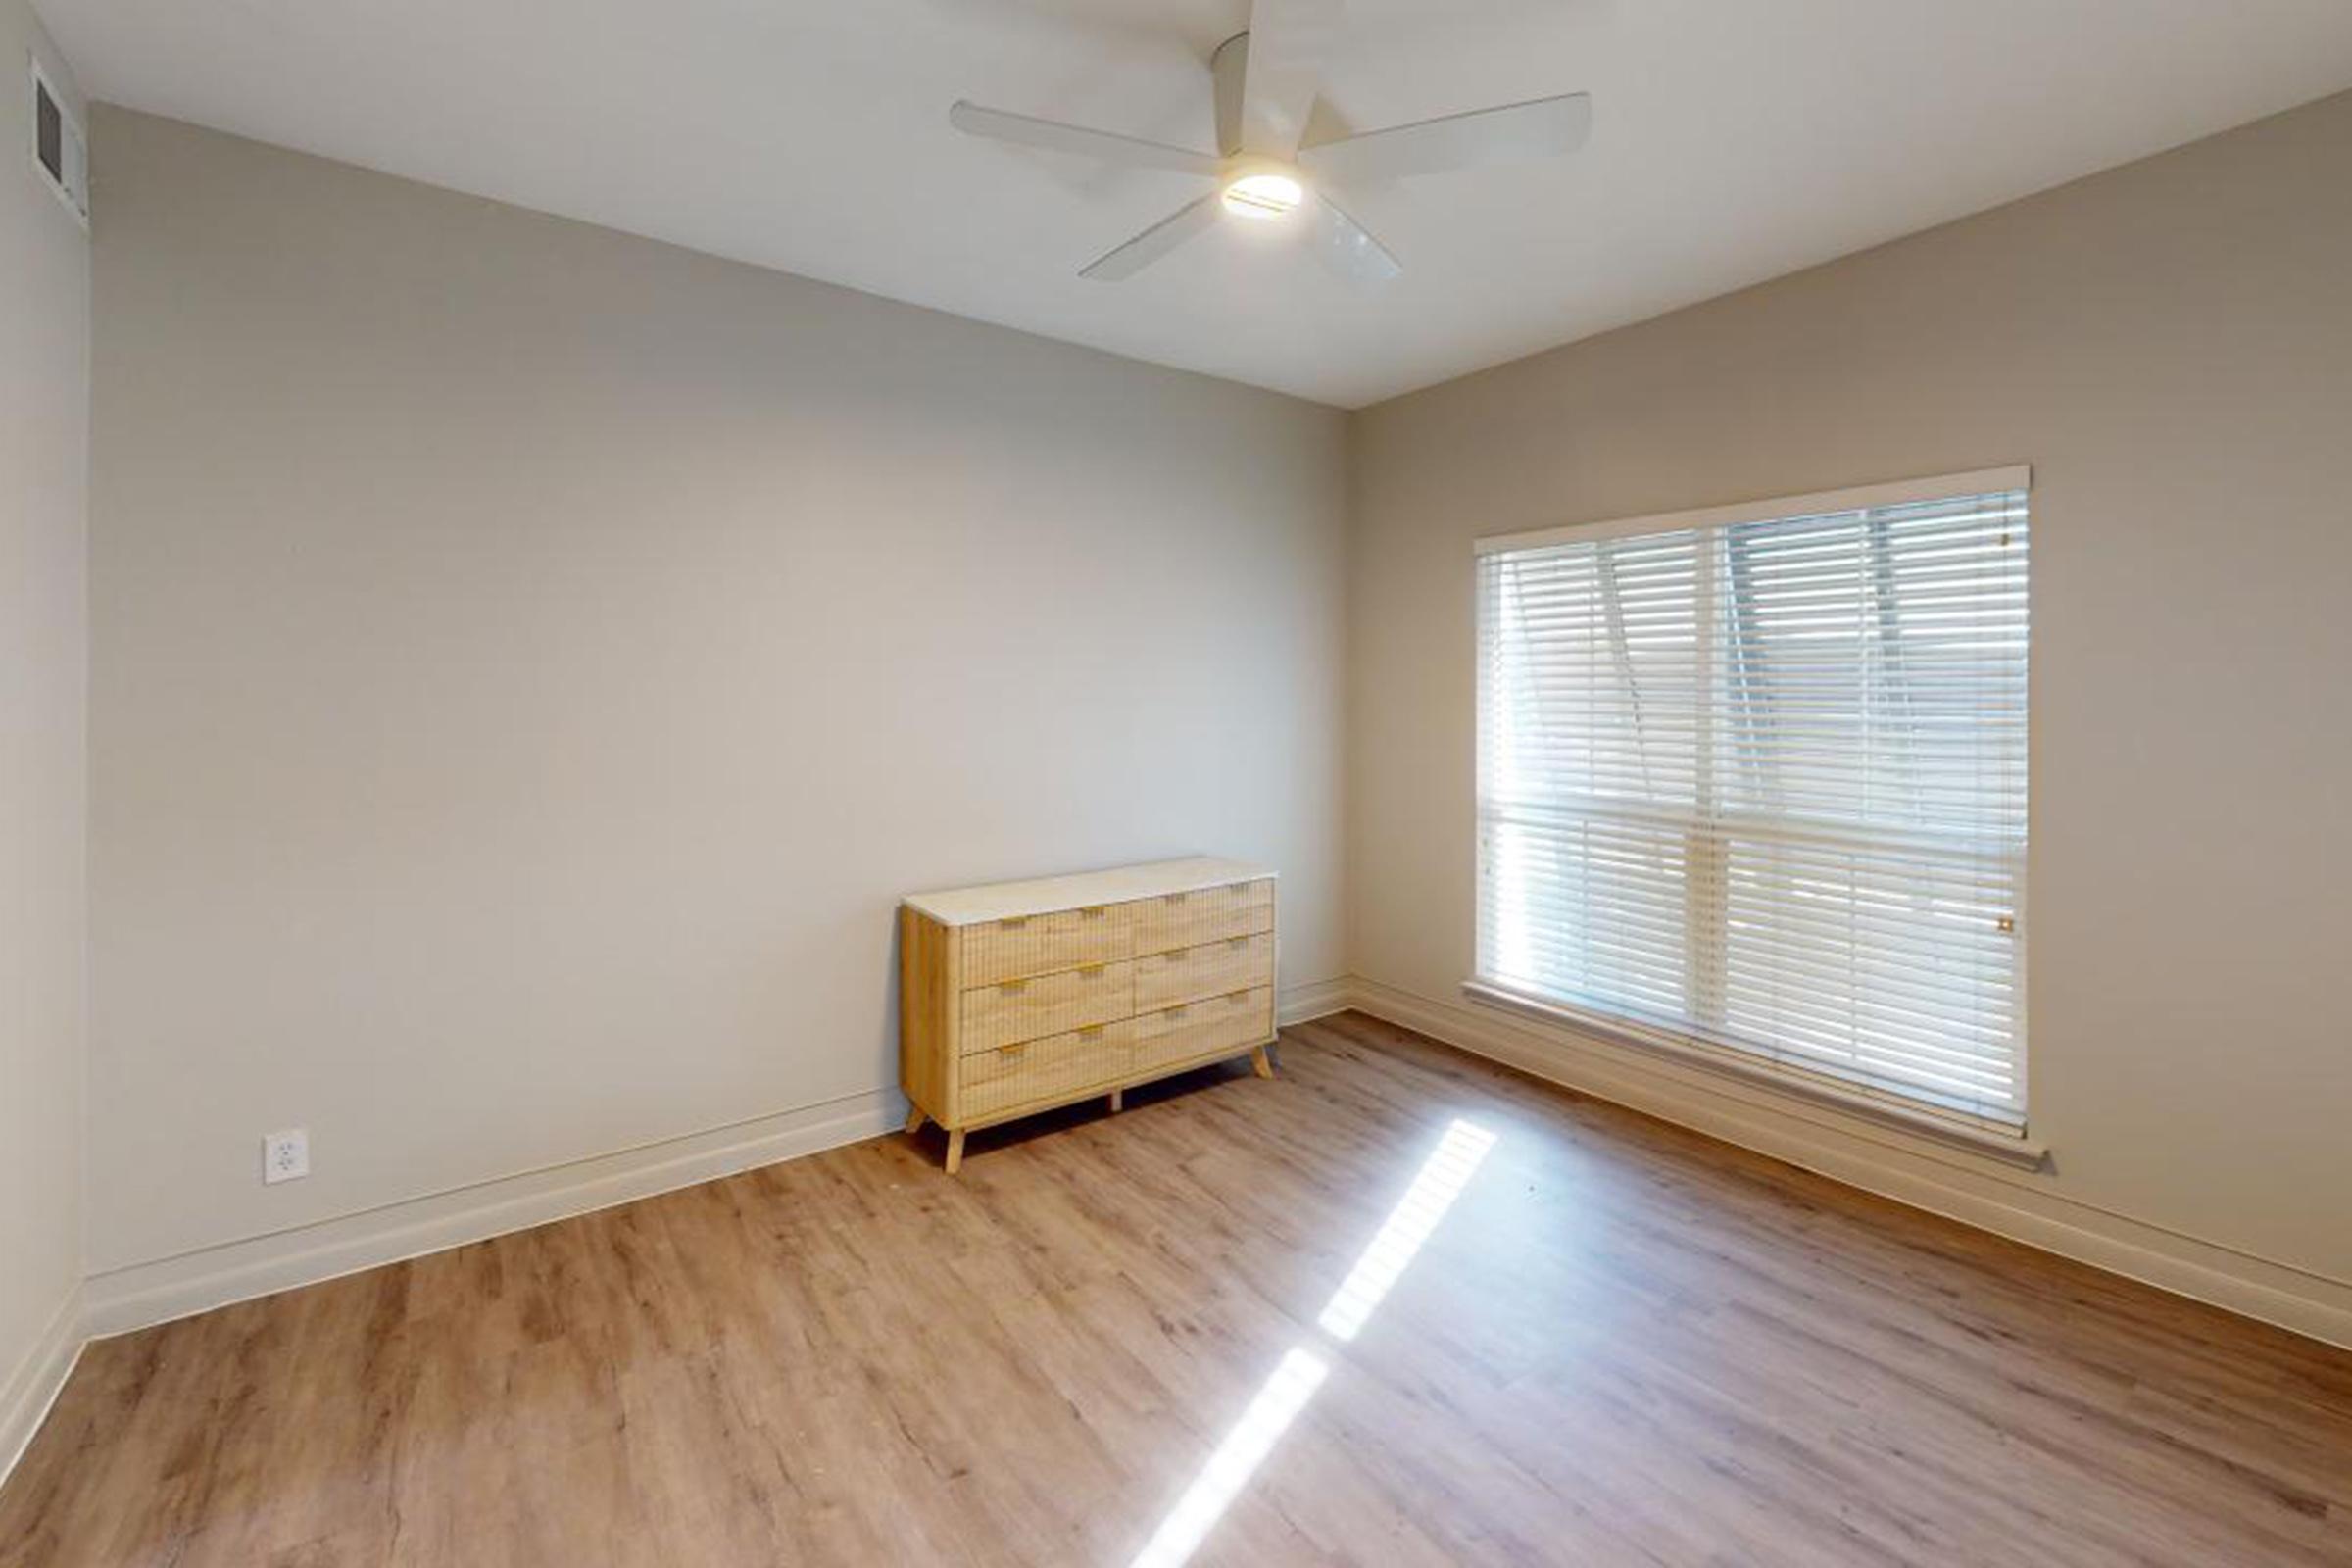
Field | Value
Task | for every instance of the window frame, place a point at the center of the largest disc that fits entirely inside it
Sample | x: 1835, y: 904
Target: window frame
x: 2007, y: 1141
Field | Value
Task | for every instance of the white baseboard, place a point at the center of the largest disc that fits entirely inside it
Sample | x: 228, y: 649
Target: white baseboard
x: 33, y: 1382
x: 1942, y: 1180
x: 142, y: 1295
x: 1857, y: 1153
x: 1318, y: 1000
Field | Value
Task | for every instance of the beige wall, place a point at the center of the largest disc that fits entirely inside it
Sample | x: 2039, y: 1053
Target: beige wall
x: 44, y: 432
x: 2169, y: 345
x: 530, y: 662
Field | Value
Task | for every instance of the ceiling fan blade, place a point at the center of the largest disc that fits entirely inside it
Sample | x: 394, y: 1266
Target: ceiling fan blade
x: 1226, y: 68
x: 1542, y: 128
x: 1347, y: 248
x: 999, y: 124
x: 1289, y: 42
x: 1192, y: 218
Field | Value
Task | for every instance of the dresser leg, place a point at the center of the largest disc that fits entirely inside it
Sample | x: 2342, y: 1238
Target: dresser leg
x: 955, y: 1150
x: 1118, y: 1100
x: 915, y: 1119
x: 1262, y: 1063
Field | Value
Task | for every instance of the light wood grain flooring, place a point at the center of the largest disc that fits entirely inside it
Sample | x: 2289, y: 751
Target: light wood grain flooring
x: 1579, y: 1336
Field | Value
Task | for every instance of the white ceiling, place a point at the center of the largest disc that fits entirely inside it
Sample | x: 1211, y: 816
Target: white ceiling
x: 1734, y: 141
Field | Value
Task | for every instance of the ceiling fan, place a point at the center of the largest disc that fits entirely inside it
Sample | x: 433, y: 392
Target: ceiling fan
x: 1266, y: 81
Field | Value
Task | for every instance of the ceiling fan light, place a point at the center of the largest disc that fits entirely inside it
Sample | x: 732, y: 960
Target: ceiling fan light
x: 1263, y: 195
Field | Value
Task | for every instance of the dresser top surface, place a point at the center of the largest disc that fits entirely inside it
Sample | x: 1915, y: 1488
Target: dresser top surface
x: 1007, y: 901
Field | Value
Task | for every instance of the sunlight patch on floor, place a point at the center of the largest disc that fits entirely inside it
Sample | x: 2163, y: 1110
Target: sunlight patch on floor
x: 1409, y: 1225
x: 1229, y: 1469
x: 1418, y: 1214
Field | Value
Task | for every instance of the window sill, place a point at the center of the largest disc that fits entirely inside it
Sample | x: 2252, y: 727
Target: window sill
x: 2014, y: 1149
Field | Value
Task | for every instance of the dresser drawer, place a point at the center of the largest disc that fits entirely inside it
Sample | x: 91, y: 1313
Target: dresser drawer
x: 1050, y: 1005
x: 1220, y: 1025
x: 1210, y: 969
x: 1041, y: 944
x: 1036, y: 1069
x: 1205, y: 914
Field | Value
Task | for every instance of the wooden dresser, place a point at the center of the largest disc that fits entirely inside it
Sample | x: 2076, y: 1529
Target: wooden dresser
x: 1019, y: 997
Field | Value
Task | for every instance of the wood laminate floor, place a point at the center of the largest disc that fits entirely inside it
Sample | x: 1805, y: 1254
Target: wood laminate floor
x: 1398, y: 1307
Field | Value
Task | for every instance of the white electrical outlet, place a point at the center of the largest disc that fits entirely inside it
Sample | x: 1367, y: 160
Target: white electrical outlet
x: 286, y: 1156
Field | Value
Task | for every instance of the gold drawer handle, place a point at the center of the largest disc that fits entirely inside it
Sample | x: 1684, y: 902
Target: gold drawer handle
x: 1175, y: 897
x: 1176, y: 1012
x: 1093, y: 911
x: 1175, y: 954
x: 1093, y: 1031
x: 1013, y: 923
x: 1090, y: 971
x: 1237, y: 996
x: 1011, y: 988
x: 1013, y: 1052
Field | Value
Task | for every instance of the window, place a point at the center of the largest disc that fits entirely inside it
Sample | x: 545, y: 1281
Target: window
x: 1753, y: 780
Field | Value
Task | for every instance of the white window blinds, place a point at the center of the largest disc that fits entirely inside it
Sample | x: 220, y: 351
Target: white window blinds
x: 1756, y: 779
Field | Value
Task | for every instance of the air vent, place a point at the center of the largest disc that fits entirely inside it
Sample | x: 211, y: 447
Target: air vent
x: 58, y: 147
